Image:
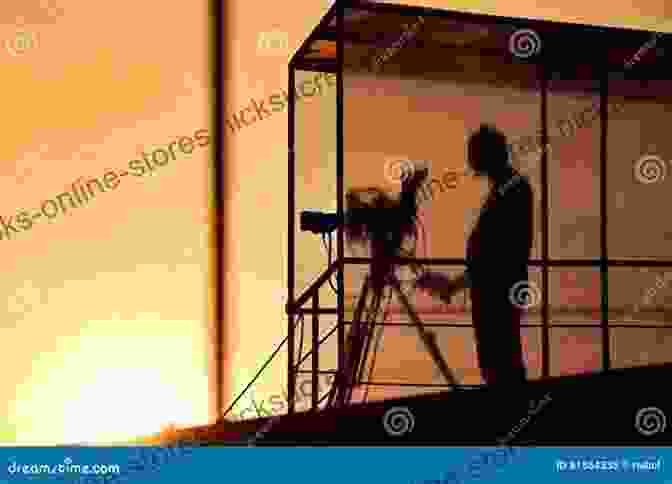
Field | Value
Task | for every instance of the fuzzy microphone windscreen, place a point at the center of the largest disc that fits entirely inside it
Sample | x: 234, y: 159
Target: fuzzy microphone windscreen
x: 383, y: 221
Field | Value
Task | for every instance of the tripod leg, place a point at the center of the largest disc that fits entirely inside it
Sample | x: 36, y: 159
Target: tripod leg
x: 368, y: 335
x: 364, y: 340
x: 343, y: 384
x: 426, y: 336
x: 355, y: 344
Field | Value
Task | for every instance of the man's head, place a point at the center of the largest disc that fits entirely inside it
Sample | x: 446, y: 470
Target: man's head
x: 488, y: 152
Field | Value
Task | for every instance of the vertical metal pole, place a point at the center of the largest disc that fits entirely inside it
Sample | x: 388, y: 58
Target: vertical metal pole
x: 545, y: 336
x: 218, y: 174
x: 291, y: 375
x: 340, y: 10
x: 316, y: 343
x: 604, y: 268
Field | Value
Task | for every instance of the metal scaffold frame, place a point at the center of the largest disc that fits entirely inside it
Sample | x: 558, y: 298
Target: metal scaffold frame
x: 308, y: 302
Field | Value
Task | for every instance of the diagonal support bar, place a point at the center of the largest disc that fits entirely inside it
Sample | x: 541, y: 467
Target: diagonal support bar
x: 427, y: 337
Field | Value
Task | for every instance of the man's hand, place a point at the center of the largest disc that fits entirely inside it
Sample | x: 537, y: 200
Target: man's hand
x: 437, y: 284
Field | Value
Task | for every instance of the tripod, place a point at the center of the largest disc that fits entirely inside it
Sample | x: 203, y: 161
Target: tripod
x: 360, y: 336
x: 384, y: 223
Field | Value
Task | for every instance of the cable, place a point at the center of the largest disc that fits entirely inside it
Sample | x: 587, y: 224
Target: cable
x: 300, y: 319
x: 330, y: 247
x: 324, y: 242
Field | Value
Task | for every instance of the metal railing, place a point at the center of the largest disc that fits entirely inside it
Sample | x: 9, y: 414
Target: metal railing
x: 308, y: 303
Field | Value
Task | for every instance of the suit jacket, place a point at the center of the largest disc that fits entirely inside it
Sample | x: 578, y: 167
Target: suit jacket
x: 499, y: 247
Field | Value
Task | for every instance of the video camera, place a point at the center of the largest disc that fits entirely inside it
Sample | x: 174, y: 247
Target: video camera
x: 376, y: 218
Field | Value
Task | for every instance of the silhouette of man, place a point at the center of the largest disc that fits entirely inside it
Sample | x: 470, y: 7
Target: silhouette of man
x: 498, y: 250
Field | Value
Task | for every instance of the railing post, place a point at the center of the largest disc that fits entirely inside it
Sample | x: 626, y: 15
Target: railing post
x: 316, y: 342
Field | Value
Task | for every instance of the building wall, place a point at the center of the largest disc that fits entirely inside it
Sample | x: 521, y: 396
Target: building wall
x: 104, y: 323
